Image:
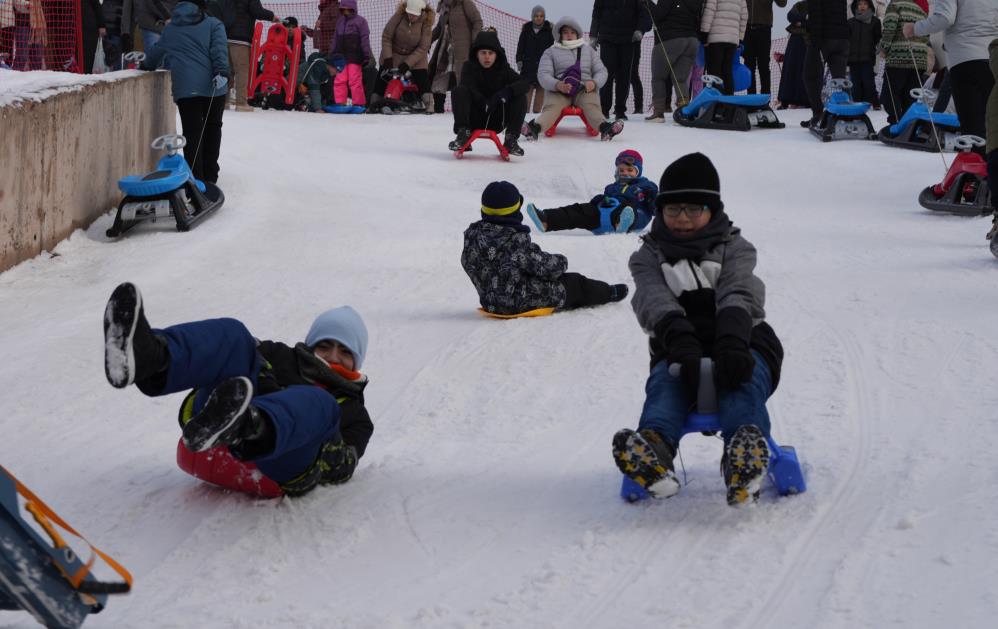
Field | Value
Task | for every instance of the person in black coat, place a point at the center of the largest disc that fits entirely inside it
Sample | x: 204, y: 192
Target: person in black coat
x: 491, y: 95
x: 828, y: 32
x: 93, y: 28
x: 616, y: 27
x: 865, y: 31
x: 239, y: 17
x: 535, y: 37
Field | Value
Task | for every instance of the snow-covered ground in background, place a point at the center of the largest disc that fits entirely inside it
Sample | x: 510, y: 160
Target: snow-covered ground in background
x: 488, y: 497
x: 41, y: 84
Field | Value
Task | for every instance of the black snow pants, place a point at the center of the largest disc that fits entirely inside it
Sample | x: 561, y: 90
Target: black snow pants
x: 201, y: 152
x: 470, y: 114
x: 580, y: 291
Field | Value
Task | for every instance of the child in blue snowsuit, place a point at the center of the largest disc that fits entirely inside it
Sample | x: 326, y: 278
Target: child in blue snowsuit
x: 696, y: 295
x: 296, y: 412
x: 627, y: 204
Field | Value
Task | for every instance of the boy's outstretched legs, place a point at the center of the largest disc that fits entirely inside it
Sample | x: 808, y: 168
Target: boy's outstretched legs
x: 131, y: 351
x: 581, y: 291
x: 745, y: 424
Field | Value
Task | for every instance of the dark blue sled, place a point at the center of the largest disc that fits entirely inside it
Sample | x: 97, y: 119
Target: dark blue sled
x: 32, y: 569
x: 344, y: 109
x: 922, y: 129
x: 784, y: 467
x: 842, y: 118
x: 169, y: 191
x: 711, y: 109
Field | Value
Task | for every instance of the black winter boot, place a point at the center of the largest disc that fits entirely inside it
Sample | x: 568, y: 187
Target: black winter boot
x: 744, y: 465
x: 609, y: 130
x: 131, y: 351
x: 646, y: 458
x: 463, y: 135
x: 618, y: 292
x: 227, y: 418
x: 512, y: 145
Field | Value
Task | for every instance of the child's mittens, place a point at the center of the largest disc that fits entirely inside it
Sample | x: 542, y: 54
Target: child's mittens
x: 733, y: 362
x: 683, y: 348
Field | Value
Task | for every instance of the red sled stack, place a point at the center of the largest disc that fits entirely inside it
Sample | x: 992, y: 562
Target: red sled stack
x: 274, y: 66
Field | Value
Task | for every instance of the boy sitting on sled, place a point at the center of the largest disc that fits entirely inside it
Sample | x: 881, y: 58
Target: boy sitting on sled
x: 626, y: 205
x: 512, y: 274
x: 295, y: 413
x: 696, y: 294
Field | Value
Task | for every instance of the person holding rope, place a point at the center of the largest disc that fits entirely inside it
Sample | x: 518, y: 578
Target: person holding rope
x: 907, y: 59
x: 193, y: 48
x: 491, y: 95
x: 617, y: 25
x: 676, y: 24
x: 828, y: 32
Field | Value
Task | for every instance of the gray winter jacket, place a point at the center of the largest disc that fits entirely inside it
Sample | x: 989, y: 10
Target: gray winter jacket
x: 150, y: 15
x: 557, y: 59
x: 697, y: 290
x: 724, y: 21
x: 970, y: 25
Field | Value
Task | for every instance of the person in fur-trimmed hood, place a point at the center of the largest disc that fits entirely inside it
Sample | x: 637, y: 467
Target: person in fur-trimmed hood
x: 261, y: 416
x: 512, y: 274
x: 405, y: 46
x: 696, y: 295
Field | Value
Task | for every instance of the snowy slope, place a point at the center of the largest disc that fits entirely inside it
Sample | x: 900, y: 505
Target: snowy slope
x: 488, y: 495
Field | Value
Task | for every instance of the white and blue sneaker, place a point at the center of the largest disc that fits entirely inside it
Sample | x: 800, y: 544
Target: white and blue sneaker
x: 537, y: 216
x: 625, y: 220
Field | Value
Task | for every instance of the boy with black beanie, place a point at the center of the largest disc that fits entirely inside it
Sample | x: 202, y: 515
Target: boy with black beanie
x: 696, y: 295
x: 513, y: 276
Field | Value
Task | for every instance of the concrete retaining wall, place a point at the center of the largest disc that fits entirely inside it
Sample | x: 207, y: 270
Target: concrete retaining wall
x: 61, y: 158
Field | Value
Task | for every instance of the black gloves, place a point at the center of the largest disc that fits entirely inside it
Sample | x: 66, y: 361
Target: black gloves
x: 682, y: 347
x: 404, y: 68
x: 702, y: 36
x: 126, y: 42
x: 733, y: 361
x: 502, y: 96
x: 337, y: 462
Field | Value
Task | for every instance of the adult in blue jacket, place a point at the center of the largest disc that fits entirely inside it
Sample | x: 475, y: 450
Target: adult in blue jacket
x: 193, y: 48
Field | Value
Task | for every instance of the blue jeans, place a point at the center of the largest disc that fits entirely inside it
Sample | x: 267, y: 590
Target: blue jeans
x: 667, y: 403
x: 204, y: 353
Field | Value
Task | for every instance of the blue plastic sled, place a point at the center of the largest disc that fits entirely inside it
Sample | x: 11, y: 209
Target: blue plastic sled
x: 784, y: 467
x: 843, y: 119
x: 46, y: 578
x: 922, y: 129
x: 169, y: 191
x: 344, y: 109
x: 711, y: 109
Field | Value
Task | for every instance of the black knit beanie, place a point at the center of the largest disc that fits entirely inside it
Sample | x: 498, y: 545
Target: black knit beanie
x: 501, y: 203
x: 690, y: 179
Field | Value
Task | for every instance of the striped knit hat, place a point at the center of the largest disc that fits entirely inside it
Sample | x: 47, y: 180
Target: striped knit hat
x: 501, y: 201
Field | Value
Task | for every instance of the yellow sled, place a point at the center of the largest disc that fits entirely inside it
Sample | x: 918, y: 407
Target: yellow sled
x: 537, y: 312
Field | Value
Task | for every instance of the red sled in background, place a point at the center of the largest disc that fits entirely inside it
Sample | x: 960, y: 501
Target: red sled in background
x: 274, y: 65
x: 218, y: 467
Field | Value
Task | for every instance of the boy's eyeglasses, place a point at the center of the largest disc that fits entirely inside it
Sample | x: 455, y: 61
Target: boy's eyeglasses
x: 672, y: 210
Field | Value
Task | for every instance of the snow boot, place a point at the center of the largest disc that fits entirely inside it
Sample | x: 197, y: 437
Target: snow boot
x: 608, y: 130
x: 530, y: 131
x: 512, y: 147
x: 618, y: 292
x: 744, y: 465
x: 131, y: 351
x: 428, y: 103
x: 463, y: 135
x: 537, y: 216
x: 646, y: 458
x: 625, y: 220
x: 226, y: 419
x: 655, y: 116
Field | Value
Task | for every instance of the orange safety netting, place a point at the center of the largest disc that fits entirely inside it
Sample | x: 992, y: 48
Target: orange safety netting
x: 41, y: 35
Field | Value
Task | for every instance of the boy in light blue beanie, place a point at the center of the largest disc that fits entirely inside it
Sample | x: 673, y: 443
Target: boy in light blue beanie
x: 261, y: 417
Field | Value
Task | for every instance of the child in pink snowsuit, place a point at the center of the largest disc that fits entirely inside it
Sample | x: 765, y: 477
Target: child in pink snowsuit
x: 352, y: 42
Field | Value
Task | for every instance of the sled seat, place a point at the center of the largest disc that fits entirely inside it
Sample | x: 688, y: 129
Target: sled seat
x: 537, y: 312
x: 172, y: 173
x: 917, y: 112
x: 571, y: 111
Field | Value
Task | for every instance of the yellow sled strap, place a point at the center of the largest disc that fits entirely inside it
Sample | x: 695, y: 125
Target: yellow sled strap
x: 45, y: 516
x: 538, y: 312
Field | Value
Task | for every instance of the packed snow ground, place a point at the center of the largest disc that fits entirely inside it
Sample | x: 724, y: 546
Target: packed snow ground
x: 488, y: 497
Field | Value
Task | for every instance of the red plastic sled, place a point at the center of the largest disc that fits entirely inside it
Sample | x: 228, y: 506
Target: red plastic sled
x: 488, y: 134
x: 218, y: 467
x: 276, y: 55
x: 571, y: 111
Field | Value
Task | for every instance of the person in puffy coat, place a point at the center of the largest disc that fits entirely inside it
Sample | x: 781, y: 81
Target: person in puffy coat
x: 352, y: 42
x: 292, y: 415
x: 536, y: 36
x: 192, y: 47
x: 459, y: 24
x: 722, y: 27
x: 571, y: 73
x: 513, y: 275
x: 405, y: 45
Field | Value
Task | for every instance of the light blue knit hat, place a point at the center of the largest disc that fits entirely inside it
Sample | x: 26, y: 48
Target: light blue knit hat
x: 344, y: 326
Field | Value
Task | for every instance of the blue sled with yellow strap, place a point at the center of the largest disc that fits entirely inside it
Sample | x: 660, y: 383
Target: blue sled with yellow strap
x: 784, y: 467
x: 710, y: 109
x: 43, y: 575
x: 922, y: 129
x: 842, y: 118
x: 170, y: 191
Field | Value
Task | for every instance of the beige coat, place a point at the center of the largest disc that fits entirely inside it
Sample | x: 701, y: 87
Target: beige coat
x: 405, y: 41
x: 724, y: 21
x: 453, y: 37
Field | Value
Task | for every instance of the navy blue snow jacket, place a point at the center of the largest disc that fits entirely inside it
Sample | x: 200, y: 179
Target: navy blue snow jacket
x: 193, y: 48
x: 639, y: 193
